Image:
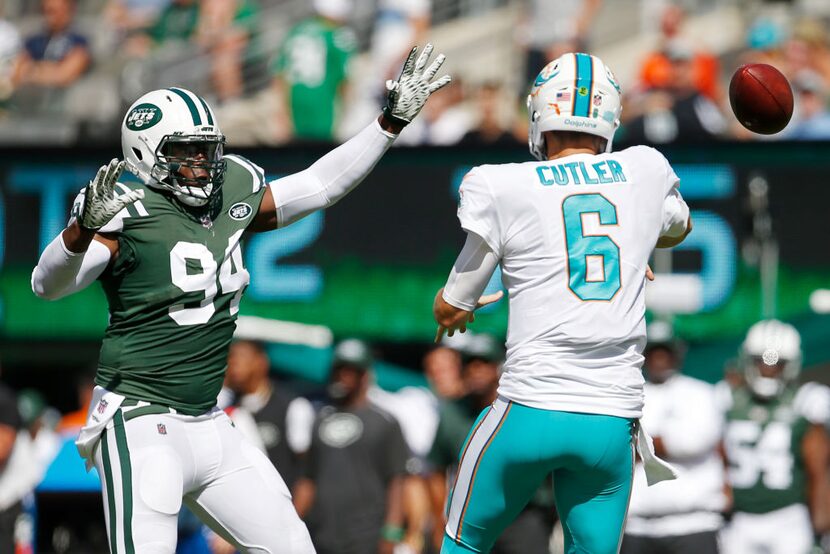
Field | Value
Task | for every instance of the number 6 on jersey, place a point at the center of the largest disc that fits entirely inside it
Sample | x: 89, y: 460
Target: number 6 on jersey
x: 586, y: 251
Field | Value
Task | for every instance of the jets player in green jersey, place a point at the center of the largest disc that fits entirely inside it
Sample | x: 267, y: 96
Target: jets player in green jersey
x: 776, y: 448
x: 167, y: 253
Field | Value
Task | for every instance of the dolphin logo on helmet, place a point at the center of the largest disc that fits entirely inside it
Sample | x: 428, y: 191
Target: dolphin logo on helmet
x: 171, y: 141
x: 575, y: 92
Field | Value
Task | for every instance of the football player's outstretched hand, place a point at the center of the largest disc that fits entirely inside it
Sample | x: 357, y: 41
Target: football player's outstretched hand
x: 101, y: 202
x: 409, y: 93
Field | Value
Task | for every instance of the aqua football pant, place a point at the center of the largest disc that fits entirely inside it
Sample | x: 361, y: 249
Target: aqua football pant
x: 510, y: 451
x: 151, y: 460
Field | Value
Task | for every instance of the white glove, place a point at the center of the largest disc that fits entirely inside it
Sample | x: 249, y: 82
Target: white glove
x: 409, y: 93
x: 101, y: 202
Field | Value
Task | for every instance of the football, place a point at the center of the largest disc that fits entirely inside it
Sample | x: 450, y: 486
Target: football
x: 761, y: 98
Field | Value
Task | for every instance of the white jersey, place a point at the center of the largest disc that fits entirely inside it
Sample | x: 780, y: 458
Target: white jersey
x: 683, y: 412
x: 574, y: 236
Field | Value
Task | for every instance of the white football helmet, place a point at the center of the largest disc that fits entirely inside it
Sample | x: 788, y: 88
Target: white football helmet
x: 170, y: 130
x: 770, y: 343
x: 575, y: 92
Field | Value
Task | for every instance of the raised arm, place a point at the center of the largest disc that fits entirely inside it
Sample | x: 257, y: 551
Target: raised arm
x: 334, y: 175
x: 79, y: 254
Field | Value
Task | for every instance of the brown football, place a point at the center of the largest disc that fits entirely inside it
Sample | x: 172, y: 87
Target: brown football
x: 761, y: 98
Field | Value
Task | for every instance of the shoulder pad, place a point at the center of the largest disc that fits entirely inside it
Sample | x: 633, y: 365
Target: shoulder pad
x: 256, y: 172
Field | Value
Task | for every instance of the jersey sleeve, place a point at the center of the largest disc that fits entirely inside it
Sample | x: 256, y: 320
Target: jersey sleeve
x: 812, y: 401
x: 245, y: 182
x: 675, y: 210
x: 477, y: 209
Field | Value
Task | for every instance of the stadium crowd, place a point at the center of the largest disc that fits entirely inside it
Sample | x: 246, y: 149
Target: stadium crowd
x: 294, y: 71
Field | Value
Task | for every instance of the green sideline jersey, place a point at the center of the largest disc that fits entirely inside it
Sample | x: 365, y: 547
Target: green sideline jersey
x: 174, y: 292
x: 763, y: 448
x: 314, y: 62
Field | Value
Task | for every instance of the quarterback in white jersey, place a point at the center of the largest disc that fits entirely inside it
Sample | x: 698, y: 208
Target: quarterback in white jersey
x: 572, y: 233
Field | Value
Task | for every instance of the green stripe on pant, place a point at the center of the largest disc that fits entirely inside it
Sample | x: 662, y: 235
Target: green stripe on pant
x: 105, y: 457
x: 126, y: 480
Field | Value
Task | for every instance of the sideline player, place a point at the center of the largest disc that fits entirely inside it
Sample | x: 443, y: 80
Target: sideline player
x: 572, y: 233
x: 168, y: 255
x: 776, y: 447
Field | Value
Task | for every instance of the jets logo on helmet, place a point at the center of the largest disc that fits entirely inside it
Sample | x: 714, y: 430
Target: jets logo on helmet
x: 171, y: 141
x: 575, y: 92
x: 771, y: 357
x: 143, y: 116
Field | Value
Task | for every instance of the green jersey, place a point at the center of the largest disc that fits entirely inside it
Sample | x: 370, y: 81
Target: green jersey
x: 763, y: 448
x: 314, y: 62
x: 174, y: 291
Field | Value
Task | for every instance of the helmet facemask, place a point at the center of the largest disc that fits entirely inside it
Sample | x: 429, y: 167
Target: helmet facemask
x: 770, y: 357
x: 190, y: 166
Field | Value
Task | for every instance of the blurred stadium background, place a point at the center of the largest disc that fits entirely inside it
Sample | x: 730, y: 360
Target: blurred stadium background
x: 289, y: 78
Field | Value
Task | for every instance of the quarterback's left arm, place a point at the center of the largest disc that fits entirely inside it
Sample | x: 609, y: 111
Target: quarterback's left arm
x: 677, y: 221
x: 456, y: 302
x: 334, y: 175
x: 815, y: 449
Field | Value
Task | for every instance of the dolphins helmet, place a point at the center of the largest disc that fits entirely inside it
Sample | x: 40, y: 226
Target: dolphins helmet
x: 771, y: 344
x: 575, y: 92
x: 170, y: 130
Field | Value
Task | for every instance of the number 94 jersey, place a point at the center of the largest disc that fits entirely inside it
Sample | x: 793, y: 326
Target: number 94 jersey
x: 574, y: 236
x: 174, y: 292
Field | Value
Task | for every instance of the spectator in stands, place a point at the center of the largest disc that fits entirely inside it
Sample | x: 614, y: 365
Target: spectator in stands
x: 227, y: 29
x: 9, y: 425
x: 548, y: 33
x: 312, y: 70
x: 807, y: 49
x: 351, y: 493
x: 177, y: 22
x: 683, y: 418
x: 283, y: 420
x: 490, y: 129
x: 811, y: 120
x: 57, y: 56
x: 657, y: 71
x: 679, y: 111
x: 530, y: 532
x: 398, y: 25
x: 10, y: 46
x: 764, y: 39
x: 445, y: 121
x: 130, y: 16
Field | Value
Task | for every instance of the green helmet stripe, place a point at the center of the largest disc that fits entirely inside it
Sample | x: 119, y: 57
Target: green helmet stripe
x: 191, y: 105
x: 207, y: 110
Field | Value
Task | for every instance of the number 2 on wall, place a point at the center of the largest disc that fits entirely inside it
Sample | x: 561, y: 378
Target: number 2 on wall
x: 601, y: 280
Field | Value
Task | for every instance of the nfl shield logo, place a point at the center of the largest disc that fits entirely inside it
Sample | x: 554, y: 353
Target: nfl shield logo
x: 102, y: 405
x: 162, y: 429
